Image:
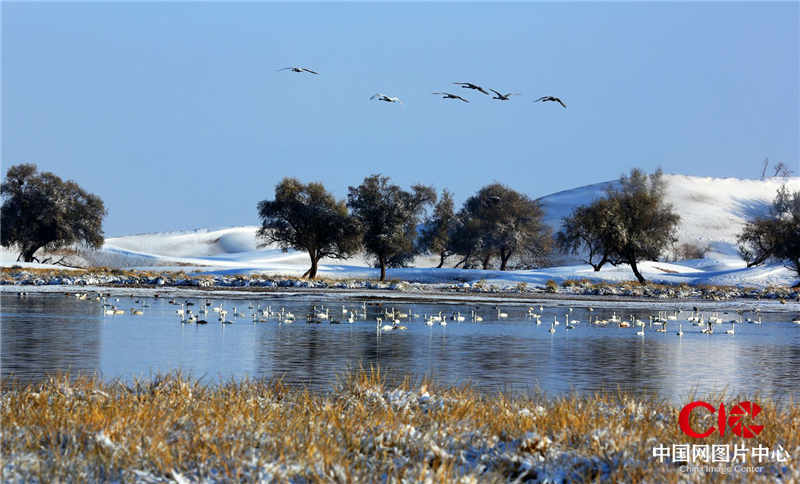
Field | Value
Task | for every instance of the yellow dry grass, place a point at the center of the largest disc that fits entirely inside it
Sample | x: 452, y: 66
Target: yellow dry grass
x: 173, y: 428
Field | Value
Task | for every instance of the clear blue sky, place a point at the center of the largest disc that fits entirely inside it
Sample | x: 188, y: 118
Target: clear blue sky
x: 174, y: 114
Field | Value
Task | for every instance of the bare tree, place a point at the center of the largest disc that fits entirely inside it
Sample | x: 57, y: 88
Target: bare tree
x: 781, y: 170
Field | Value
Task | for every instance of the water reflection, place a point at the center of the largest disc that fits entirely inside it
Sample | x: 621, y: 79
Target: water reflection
x: 42, y: 335
x: 45, y: 333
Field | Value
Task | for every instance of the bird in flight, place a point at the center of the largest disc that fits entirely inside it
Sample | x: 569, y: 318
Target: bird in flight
x: 469, y: 85
x: 504, y: 97
x: 447, y: 95
x: 298, y: 69
x: 551, y: 98
x: 384, y: 97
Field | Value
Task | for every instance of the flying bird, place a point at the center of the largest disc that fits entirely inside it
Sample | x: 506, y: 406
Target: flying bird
x: 447, y: 95
x: 469, y: 85
x: 384, y: 97
x: 298, y: 69
x: 551, y: 98
x: 504, y: 97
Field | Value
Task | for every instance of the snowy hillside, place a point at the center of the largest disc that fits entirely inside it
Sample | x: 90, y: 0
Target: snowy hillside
x: 712, y: 211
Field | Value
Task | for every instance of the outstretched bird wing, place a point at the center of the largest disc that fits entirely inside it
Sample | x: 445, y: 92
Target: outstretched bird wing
x: 461, y: 98
x: 495, y: 92
x: 561, y: 103
x: 543, y: 98
x: 309, y: 70
x: 284, y: 69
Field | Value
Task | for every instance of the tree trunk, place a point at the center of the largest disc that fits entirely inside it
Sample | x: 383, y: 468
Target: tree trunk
x: 313, y: 271
x: 636, y: 272
x: 600, y: 264
x: 486, y: 260
x: 27, y: 253
x: 382, y: 262
x: 504, y: 257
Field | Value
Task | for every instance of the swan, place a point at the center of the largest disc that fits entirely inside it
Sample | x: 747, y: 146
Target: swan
x: 447, y: 95
x: 552, y: 328
x: 504, y: 97
x: 680, y: 330
x: 732, y: 330
x: 501, y: 315
x: 298, y: 69
x: 551, y: 98
x: 384, y: 97
x: 640, y: 332
x: 469, y: 85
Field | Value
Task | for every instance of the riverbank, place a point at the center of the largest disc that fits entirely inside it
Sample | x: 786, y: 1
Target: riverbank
x: 176, y: 429
x: 44, y: 280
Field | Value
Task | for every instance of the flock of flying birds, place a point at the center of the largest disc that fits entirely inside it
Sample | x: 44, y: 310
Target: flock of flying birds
x: 445, y: 95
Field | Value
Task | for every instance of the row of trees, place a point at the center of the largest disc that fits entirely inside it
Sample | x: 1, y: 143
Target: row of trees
x: 389, y: 224
x: 631, y: 223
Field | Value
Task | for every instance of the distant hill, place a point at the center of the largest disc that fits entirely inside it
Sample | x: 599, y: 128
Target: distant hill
x: 712, y: 210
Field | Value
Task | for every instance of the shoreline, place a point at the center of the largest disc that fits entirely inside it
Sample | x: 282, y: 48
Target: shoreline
x: 432, y: 295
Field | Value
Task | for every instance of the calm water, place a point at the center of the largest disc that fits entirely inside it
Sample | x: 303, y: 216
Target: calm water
x: 45, y: 333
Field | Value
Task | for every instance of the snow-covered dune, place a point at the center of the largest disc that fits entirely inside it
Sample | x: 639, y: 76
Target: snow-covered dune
x: 712, y: 210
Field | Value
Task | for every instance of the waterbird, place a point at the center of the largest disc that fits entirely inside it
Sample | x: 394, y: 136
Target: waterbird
x: 469, y: 85
x: 551, y: 98
x: 504, y: 97
x: 384, y: 97
x: 298, y: 69
x: 680, y: 330
x: 447, y: 95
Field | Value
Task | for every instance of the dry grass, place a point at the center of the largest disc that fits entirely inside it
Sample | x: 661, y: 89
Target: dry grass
x: 174, y: 428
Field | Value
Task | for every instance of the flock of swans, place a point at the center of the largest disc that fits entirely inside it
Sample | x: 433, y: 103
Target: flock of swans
x: 445, y: 95
x: 394, y: 319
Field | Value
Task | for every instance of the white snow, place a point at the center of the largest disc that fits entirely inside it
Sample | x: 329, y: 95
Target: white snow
x: 713, y: 211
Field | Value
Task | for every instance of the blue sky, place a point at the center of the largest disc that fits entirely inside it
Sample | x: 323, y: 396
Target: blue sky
x: 174, y: 114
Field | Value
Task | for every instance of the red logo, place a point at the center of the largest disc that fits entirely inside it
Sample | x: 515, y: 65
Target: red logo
x: 734, y: 420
